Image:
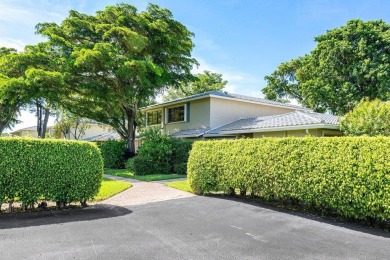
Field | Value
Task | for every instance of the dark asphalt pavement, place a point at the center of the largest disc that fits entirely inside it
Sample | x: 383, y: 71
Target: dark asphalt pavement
x: 190, y: 228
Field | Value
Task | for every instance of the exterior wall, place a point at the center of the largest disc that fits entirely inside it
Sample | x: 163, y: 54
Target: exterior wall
x: 199, y: 117
x: 93, y: 130
x: 223, y: 111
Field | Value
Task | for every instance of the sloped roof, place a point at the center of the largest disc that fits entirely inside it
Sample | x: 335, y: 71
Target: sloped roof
x: 292, y: 119
x: 103, y: 137
x: 190, y: 132
x: 30, y: 128
x: 226, y: 95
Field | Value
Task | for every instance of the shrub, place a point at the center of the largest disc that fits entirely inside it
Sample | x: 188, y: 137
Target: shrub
x: 146, y: 166
x: 180, y: 152
x: 162, y: 154
x: 370, y: 118
x: 61, y: 171
x: 114, y: 153
x: 154, y: 156
x: 346, y: 175
x: 129, y: 165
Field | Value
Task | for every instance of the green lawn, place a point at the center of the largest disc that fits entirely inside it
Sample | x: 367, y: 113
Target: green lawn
x: 152, y: 177
x: 110, y: 188
x: 180, y: 185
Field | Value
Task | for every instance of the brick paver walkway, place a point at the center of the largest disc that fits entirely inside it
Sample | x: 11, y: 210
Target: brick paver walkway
x: 144, y: 192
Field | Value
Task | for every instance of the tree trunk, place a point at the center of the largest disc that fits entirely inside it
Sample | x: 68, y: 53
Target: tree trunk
x: 2, y: 126
x: 42, y: 120
x: 131, y: 134
x: 45, y: 121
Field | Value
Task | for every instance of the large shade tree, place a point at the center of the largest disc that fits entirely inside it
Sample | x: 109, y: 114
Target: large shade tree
x: 118, y: 59
x: 349, y: 63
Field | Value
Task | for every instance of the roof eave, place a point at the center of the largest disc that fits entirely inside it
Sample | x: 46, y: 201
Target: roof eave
x: 184, y: 100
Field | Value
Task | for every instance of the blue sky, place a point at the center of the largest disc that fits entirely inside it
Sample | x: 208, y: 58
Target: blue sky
x: 242, y: 39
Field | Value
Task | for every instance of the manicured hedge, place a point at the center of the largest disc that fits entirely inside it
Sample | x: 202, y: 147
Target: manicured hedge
x: 162, y: 154
x: 346, y: 175
x: 180, y: 152
x: 114, y: 153
x: 58, y: 170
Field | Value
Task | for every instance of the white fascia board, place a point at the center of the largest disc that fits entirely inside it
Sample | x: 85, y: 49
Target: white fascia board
x: 284, y: 128
x: 168, y: 104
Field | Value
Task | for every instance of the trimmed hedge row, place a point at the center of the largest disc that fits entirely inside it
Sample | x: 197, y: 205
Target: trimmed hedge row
x: 114, y: 153
x: 346, y: 175
x: 61, y: 171
x: 163, y: 154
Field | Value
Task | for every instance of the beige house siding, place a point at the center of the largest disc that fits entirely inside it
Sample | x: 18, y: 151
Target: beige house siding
x: 199, y: 117
x: 28, y: 133
x: 223, y: 111
x: 91, y: 131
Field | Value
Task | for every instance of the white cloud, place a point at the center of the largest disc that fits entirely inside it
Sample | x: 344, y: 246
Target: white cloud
x: 12, y: 43
x: 238, y: 82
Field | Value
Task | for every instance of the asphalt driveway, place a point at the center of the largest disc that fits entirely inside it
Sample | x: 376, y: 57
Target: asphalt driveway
x: 187, y: 228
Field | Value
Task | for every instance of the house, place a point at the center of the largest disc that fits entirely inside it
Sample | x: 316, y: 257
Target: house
x: 92, y: 131
x: 218, y: 114
x: 30, y: 131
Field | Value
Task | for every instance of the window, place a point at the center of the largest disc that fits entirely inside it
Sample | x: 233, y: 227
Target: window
x: 176, y: 114
x: 154, y: 118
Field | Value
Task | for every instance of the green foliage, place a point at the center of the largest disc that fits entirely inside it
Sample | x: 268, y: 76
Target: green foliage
x: 68, y: 125
x: 129, y: 165
x: 124, y: 173
x: 110, y: 188
x: 346, y: 175
x: 206, y: 81
x: 348, y: 64
x: 161, y: 154
x: 180, y: 185
x: 117, y: 60
x: 113, y: 153
x: 29, y: 78
x: 368, y: 118
x: 61, y: 171
x: 180, y: 152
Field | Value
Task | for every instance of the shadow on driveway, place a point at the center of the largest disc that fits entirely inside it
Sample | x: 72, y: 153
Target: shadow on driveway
x: 382, y: 231
x: 28, y: 219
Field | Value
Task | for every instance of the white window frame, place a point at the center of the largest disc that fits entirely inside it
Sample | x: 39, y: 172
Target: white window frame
x: 167, y: 114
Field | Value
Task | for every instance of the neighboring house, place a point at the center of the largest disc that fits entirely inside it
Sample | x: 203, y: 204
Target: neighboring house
x: 218, y: 114
x: 30, y: 131
x: 94, y: 130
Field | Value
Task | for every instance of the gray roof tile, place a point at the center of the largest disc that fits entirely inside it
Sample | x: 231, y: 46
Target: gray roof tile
x: 296, y: 118
x: 190, y: 132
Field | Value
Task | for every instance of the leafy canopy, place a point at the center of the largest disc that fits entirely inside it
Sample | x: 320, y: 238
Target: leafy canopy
x: 348, y: 64
x: 23, y: 77
x: 370, y: 118
x: 206, y: 81
x: 119, y: 58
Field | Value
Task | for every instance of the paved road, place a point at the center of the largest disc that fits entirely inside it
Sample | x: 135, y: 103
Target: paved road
x: 187, y: 228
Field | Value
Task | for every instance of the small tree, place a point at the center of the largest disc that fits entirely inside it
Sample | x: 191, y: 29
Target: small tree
x: 70, y: 125
x: 368, y: 118
x: 206, y: 81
